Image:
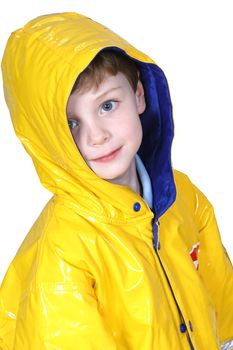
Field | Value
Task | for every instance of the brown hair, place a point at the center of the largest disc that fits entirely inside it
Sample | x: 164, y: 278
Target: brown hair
x: 106, y: 62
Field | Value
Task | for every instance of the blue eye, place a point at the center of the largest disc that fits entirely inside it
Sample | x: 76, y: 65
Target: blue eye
x: 108, y: 106
x: 72, y: 124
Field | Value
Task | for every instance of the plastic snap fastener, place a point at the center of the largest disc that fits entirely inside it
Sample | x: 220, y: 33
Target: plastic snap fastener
x: 136, y: 206
x: 183, y: 328
x: 190, y: 326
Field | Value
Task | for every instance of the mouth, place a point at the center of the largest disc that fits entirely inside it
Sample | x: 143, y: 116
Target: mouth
x: 108, y: 157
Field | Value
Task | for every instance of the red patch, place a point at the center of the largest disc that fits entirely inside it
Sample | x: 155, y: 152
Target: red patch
x: 194, y: 254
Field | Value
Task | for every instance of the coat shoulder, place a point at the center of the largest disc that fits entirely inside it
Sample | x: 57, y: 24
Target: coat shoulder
x: 189, y: 195
x: 185, y: 186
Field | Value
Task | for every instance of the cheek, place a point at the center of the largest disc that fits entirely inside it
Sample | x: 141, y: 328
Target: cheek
x: 131, y: 133
x: 139, y: 134
x: 135, y: 130
x: 79, y: 142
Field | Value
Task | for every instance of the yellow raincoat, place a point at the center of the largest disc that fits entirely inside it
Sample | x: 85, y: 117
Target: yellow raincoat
x: 97, y: 271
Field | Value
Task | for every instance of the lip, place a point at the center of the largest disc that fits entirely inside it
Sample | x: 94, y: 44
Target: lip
x: 108, y: 157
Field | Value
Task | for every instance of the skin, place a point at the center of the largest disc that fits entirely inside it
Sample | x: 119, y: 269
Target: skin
x: 105, y: 124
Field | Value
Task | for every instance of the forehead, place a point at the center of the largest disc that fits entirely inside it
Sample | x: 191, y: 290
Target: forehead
x: 110, y: 84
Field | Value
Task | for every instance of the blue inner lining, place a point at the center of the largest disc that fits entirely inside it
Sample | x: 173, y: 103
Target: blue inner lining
x: 158, y: 132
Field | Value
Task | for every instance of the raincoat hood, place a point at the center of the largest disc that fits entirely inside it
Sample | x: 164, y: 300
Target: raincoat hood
x: 49, y: 54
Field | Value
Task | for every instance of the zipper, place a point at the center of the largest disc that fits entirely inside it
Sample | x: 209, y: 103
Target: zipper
x: 155, y: 230
x: 156, y: 246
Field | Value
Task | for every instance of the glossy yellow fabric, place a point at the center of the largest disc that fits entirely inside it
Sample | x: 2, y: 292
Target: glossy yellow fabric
x: 87, y: 275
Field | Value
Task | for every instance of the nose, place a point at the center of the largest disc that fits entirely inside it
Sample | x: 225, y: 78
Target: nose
x: 98, y: 135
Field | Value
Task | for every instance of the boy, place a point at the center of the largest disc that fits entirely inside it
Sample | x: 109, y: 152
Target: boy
x: 127, y: 254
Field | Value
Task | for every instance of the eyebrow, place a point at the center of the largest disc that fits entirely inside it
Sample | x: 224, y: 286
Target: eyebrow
x: 71, y: 115
x: 107, y: 92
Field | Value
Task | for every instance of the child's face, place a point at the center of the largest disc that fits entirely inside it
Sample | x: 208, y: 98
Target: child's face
x: 106, y: 126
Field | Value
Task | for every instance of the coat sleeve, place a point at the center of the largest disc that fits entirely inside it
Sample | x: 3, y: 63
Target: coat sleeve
x: 215, y: 268
x: 62, y: 316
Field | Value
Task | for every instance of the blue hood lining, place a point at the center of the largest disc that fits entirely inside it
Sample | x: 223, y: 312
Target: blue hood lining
x: 158, y: 132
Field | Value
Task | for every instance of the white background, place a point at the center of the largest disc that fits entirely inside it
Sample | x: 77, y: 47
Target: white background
x: 192, y: 42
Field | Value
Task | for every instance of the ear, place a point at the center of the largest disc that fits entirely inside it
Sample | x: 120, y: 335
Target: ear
x: 140, y: 98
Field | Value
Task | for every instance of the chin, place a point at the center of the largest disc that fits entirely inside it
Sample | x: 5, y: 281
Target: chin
x: 115, y: 177
x: 118, y: 173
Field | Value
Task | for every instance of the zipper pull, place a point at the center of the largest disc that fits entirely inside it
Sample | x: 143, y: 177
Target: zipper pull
x: 156, y: 243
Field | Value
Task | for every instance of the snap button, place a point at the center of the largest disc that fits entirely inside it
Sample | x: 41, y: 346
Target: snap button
x: 136, y: 206
x: 183, y: 328
x: 190, y: 326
